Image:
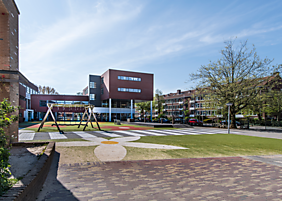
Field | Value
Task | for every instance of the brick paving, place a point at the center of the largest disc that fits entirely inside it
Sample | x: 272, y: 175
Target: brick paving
x: 228, y: 178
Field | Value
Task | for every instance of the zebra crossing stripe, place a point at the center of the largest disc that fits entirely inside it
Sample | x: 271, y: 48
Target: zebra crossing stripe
x: 26, y: 136
x: 166, y: 132
x: 84, y: 134
x: 55, y: 135
x: 148, y: 132
x: 108, y: 134
x: 130, y: 133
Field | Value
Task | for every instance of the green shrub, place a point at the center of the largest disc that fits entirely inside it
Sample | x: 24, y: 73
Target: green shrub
x: 5, y: 120
x: 207, y: 121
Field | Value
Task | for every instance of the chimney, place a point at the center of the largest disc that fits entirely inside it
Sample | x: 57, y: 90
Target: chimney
x: 178, y: 91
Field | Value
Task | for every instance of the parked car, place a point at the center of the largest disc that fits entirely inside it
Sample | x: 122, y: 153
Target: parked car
x: 225, y: 122
x: 178, y: 120
x: 164, y: 120
x: 195, y: 122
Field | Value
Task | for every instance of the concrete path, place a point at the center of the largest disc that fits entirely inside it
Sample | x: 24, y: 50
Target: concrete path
x: 114, y: 149
x: 230, y: 178
x: 273, y: 160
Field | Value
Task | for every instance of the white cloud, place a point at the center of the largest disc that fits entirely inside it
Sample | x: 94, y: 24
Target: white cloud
x: 111, y: 34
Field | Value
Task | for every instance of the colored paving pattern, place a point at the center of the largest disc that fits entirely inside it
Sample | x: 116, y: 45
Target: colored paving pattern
x: 230, y: 178
x: 122, y: 133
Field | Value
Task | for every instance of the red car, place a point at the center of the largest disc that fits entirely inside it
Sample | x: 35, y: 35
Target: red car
x: 195, y: 122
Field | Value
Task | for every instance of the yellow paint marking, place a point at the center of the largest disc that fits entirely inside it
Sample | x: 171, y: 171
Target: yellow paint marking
x: 109, y: 142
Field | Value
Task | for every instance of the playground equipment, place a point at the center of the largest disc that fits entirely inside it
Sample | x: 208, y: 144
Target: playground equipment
x: 87, y: 108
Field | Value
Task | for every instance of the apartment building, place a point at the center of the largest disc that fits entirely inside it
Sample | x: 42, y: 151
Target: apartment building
x: 115, y: 93
x: 176, y: 103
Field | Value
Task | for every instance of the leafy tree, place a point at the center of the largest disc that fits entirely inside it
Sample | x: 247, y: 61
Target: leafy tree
x: 47, y: 90
x: 6, y: 119
x: 273, y: 103
x: 159, y: 100
x: 237, y: 77
x: 143, y: 106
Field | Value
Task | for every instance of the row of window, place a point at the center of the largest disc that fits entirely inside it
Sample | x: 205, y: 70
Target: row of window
x: 129, y: 90
x: 43, y: 103
x: 129, y: 78
x: 92, y: 85
x: 28, y: 89
x: 92, y: 96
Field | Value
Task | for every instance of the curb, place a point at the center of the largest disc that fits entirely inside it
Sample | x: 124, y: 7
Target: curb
x: 34, y: 180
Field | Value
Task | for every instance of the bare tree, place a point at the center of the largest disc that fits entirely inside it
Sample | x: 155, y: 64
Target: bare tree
x: 47, y: 90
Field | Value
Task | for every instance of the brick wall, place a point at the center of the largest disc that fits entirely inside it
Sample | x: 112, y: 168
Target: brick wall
x: 9, y: 59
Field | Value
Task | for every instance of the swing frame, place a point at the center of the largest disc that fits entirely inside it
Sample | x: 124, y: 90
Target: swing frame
x: 87, y: 108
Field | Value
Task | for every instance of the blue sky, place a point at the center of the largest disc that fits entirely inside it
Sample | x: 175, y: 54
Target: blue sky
x: 62, y: 42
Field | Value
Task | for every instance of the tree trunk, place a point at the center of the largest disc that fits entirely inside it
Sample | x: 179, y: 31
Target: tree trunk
x: 233, y: 120
x: 259, y: 117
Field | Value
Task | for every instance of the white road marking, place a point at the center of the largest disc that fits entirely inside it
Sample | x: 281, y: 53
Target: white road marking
x: 129, y: 133
x: 56, y: 135
x: 84, y: 134
x: 166, y: 132
x: 26, y: 136
x: 108, y: 134
x: 148, y: 132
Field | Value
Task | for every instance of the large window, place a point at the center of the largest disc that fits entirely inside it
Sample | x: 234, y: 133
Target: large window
x: 129, y: 78
x: 129, y: 90
x: 93, y: 85
x: 92, y: 96
x: 43, y: 103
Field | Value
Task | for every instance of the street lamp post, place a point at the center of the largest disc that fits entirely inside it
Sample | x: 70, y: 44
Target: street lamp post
x: 229, y: 104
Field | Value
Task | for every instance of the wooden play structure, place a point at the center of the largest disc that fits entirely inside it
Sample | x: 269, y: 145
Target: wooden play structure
x: 88, y: 113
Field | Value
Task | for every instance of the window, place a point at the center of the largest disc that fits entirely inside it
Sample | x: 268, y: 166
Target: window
x: 92, y: 96
x: 93, y: 85
x: 129, y: 78
x: 43, y: 103
x: 129, y: 90
x: 102, y: 80
x: 102, y: 90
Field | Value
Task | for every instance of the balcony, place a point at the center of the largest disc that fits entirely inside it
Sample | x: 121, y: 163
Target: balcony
x: 181, y: 102
x: 191, y: 115
x: 192, y: 101
x: 180, y: 108
x: 192, y: 108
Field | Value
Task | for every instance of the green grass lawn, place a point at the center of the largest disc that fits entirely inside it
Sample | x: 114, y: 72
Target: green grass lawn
x: 218, y: 145
x: 206, y: 146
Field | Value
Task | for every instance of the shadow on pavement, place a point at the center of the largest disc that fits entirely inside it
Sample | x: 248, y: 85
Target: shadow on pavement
x: 52, y: 188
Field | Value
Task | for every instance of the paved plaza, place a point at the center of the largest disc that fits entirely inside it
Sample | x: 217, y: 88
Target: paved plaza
x: 228, y: 178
